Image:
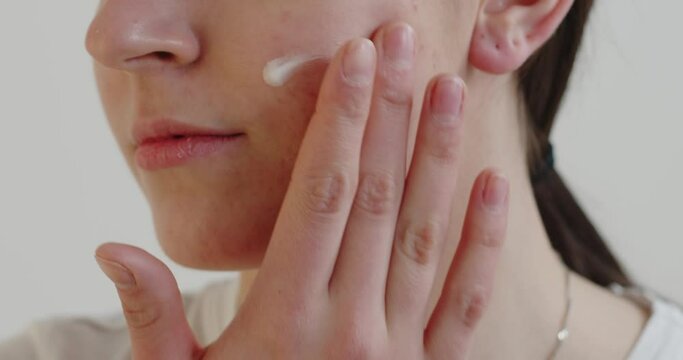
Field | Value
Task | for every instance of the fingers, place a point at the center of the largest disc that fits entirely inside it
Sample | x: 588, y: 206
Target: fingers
x: 307, y: 234
x: 425, y: 213
x: 469, y: 283
x: 361, y: 269
x: 151, y: 303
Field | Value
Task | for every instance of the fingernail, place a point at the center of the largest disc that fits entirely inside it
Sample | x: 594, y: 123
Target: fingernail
x: 398, y: 45
x: 358, y: 62
x: 447, y: 98
x: 120, y: 275
x: 495, y: 191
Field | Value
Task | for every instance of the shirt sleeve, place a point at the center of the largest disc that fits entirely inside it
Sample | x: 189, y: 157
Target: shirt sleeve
x: 662, y: 338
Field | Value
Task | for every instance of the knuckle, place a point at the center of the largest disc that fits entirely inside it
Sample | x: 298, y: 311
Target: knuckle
x: 488, y: 236
x: 324, y: 193
x: 140, y: 317
x: 359, y: 353
x: 376, y: 193
x: 395, y: 98
x: 491, y: 239
x: 443, y: 146
x: 470, y: 305
x: 357, y: 337
x: 350, y: 107
x: 418, y: 241
x: 356, y: 345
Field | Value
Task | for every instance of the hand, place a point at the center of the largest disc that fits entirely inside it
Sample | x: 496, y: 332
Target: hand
x: 354, y: 251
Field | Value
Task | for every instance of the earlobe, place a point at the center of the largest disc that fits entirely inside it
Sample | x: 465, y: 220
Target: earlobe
x: 508, y: 32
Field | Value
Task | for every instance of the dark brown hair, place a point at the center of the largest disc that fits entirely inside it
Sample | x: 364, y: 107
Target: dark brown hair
x: 543, y: 81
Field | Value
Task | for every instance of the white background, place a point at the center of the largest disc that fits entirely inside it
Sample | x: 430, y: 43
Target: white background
x: 64, y: 188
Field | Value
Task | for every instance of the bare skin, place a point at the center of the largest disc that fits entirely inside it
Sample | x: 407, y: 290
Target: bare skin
x: 374, y: 236
x: 522, y: 314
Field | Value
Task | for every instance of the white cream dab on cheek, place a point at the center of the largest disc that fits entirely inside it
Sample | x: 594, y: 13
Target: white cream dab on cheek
x: 278, y: 71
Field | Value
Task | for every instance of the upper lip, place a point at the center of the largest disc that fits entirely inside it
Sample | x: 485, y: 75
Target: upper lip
x: 150, y: 131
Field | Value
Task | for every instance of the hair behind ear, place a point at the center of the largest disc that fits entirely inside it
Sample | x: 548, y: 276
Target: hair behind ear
x: 543, y: 81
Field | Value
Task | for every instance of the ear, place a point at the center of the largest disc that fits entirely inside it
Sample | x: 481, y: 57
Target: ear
x: 508, y: 32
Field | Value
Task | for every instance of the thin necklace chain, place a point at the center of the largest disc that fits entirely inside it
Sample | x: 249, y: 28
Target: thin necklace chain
x: 563, y: 333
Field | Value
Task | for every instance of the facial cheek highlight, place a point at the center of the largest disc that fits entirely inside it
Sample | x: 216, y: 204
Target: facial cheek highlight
x: 278, y: 71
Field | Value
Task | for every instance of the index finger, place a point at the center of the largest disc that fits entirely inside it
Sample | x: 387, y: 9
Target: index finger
x: 311, y: 223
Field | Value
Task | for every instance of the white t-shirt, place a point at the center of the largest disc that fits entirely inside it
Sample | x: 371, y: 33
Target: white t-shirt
x: 210, y: 310
x: 662, y: 337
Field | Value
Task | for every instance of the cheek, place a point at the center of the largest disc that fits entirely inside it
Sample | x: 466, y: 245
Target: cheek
x: 110, y: 92
x: 320, y: 29
x: 115, y: 95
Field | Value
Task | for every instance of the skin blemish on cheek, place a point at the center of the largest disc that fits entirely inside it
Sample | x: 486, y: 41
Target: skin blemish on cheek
x: 278, y: 71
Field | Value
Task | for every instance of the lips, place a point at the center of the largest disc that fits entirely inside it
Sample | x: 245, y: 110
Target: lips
x: 169, y: 143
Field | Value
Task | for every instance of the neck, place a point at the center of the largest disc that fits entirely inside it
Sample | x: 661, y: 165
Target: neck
x: 528, y: 303
x: 529, y: 299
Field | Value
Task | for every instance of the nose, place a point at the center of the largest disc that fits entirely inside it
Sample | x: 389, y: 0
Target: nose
x: 142, y: 35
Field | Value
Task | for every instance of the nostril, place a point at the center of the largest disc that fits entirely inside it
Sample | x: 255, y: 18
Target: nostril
x: 163, y: 55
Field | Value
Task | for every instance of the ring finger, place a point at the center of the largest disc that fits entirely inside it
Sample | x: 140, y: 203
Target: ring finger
x: 425, y: 213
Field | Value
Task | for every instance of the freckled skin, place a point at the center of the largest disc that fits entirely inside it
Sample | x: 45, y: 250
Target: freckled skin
x: 218, y: 213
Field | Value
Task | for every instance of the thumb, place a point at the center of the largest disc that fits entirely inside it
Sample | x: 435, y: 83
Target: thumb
x: 151, y: 303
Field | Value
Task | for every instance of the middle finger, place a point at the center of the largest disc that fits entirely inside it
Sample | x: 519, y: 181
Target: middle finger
x: 361, y: 268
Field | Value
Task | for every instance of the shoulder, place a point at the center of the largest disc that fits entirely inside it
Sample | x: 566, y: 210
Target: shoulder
x: 662, y: 337
x: 106, y: 338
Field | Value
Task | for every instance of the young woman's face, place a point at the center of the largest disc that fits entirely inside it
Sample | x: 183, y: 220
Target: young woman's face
x: 200, y: 63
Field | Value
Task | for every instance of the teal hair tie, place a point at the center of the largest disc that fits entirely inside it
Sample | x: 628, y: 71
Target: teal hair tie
x: 545, y: 166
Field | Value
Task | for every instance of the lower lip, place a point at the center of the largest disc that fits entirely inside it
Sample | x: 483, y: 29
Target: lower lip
x: 170, y: 152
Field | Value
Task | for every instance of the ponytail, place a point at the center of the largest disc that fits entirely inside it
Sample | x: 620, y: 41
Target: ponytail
x: 543, y: 81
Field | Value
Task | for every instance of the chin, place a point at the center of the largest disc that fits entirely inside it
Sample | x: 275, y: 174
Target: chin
x: 218, y: 212
x: 214, y: 241
x: 201, y: 228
